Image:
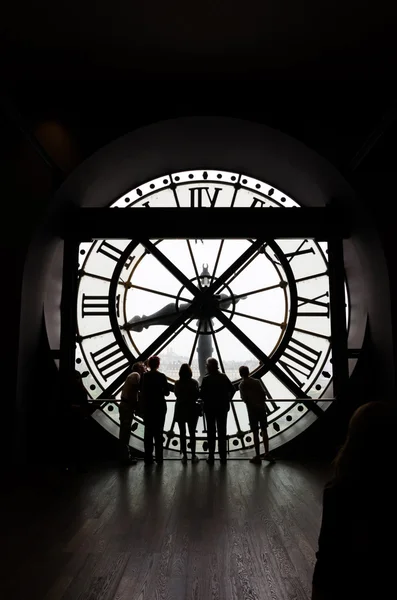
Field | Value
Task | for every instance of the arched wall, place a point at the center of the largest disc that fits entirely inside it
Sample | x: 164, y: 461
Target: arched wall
x: 194, y: 143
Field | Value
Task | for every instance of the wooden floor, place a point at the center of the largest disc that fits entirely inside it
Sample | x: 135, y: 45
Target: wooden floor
x: 176, y: 533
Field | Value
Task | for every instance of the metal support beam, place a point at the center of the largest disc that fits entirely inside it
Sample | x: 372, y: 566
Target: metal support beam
x: 336, y: 275
x: 204, y: 223
x: 68, y: 315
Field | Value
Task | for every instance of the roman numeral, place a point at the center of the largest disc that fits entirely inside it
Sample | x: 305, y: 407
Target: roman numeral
x: 196, y: 196
x: 256, y: 201
x: 302, y: 361
x: 94, y: 306
x: 113, y: 253
x: 109, y: 360
x: 313, y: 276
x: 299, y: 251
x: 315, y: 302
x: 97, y: 306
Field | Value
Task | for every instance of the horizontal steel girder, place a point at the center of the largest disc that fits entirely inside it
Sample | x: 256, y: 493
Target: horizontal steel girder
x: 320, y: 223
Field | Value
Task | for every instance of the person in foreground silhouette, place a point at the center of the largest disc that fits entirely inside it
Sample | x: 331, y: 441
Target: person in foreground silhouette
x: 356, y: 545
x: 253, y: 394
x: 154, y: 389
x: 216, y: 392
x: 127, y: 408
x: 186, y: 409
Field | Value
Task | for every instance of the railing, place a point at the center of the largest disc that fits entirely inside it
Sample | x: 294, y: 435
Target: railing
x: 101, y: 401
x: 276, y: 400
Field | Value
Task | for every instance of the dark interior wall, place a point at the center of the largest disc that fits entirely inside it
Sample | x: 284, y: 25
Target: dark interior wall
x: 374, y: 182
x: 376, y: 290
x: 26, y: 188
x: 29, y: 185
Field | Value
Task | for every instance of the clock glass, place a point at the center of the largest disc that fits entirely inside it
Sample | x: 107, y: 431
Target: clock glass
x: 245, y: 302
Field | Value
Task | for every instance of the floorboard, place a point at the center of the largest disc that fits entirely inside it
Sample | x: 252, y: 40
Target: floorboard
x: 239, y: 532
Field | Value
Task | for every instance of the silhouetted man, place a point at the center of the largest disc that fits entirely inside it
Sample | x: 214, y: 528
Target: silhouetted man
x: 216, y: 392
x: 154, y: 389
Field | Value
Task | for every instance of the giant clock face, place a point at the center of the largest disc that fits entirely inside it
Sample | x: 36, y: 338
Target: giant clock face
x: 245, y: 302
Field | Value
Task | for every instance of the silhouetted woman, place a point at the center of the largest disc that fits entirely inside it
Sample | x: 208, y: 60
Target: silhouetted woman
x: 355, y: 558
x: 127, y: 407
x: 186, y: 409
x: 154, y: 389
x: 216, y: 392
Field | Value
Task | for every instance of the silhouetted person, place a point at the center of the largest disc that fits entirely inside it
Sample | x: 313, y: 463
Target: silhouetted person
x: 186, y: 409
x: 154, y: 389
x: 216, y: 392
x: 254, y: 396
x: 356, y: 546
x: 127, y: 408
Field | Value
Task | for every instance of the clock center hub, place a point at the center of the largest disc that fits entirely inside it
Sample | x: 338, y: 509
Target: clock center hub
x: 208, y: 306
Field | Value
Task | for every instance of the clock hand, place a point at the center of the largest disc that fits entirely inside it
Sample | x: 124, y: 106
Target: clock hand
x: 225, y: 300
x: 167, y: 314
x: 204, y: 346
x: 164, y: 316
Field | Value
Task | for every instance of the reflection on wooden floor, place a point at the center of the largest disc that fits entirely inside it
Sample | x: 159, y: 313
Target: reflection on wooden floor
x: 179, y: 533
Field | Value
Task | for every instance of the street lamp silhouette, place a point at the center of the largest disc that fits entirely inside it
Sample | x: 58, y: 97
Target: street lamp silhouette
x: 167, y: 314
